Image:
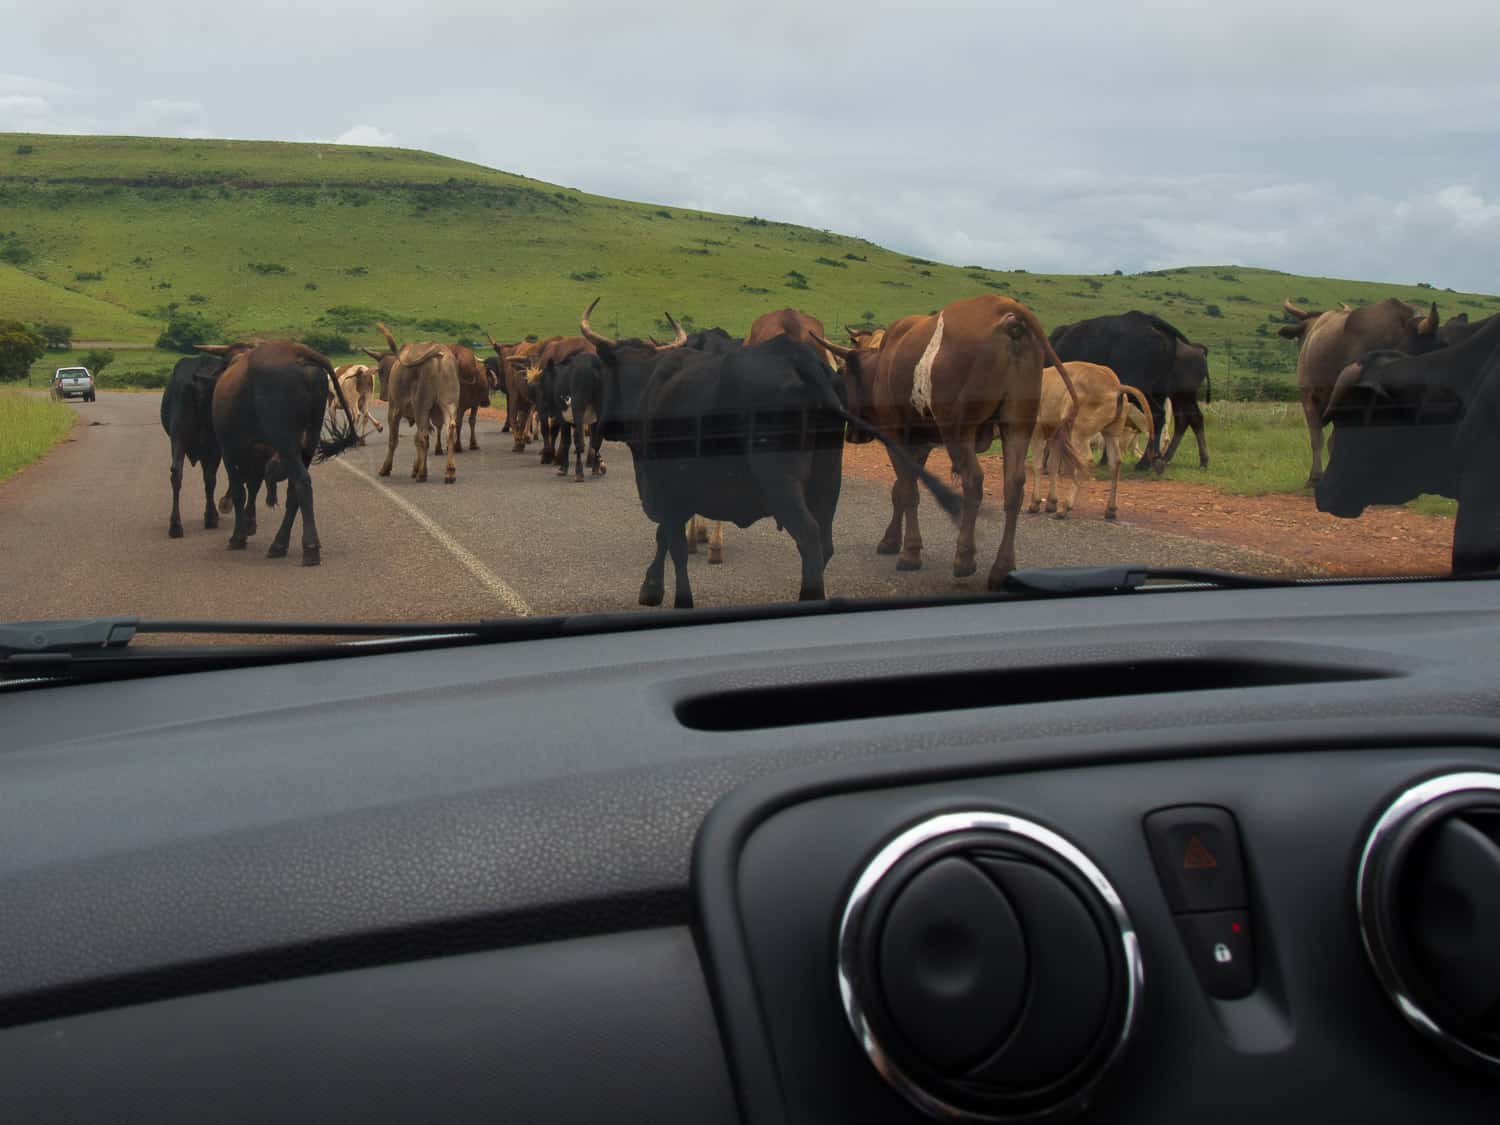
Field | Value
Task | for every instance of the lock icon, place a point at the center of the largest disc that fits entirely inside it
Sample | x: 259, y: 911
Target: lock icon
x: 1222, y: 954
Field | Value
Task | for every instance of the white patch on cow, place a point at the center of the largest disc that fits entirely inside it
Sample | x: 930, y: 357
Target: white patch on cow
x: 921, y: 380
x: 466, y: 558
x: 567, y: 409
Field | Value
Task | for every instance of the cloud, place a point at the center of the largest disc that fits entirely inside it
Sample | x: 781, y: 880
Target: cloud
x: 368, y: 135
x: 171, y: 117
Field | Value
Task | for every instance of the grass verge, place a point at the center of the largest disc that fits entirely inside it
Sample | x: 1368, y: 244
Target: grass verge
x: 29, y: 426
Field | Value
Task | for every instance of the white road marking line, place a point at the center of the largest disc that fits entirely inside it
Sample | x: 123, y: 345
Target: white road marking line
x: 488, y: 578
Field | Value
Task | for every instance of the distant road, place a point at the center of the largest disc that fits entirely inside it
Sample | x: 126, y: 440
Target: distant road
x: 84, y: 532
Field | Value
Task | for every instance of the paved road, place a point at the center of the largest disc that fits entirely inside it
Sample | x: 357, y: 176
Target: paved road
x: 84, y: 532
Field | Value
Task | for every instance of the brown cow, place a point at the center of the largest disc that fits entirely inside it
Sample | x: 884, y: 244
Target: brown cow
x: 357, y: 383
x: 422, y: 388
x: 1330, y: 341
x: 1103, y: 403
x: 520, y: 400
x: 473, y: 392
x: 865, y: 337
x: 954, y: 379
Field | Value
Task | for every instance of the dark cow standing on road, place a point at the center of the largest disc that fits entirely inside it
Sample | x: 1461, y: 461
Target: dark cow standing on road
x: 1407, y: 425
x: 1159, y: 361
x: 474, y: 388
x: 754, y: 434
x: 268, y: 416
x: 187, y: 416
x: 575, y: 392
x: 539, y: 381
x: 1327, y: 342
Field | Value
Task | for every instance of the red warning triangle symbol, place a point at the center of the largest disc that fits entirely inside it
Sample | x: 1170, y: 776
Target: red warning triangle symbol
x: 1198, y: 856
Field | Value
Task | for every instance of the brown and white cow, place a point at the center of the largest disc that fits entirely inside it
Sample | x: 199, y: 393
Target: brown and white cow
x: 422, y: 388
x: 357, y: 382
x: 956, y: 379
x: 1327, y: 342
x: 1102, y: 412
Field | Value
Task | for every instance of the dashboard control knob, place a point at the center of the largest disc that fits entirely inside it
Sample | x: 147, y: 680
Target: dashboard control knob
x: 1428, y: 899
x: 988, y: 968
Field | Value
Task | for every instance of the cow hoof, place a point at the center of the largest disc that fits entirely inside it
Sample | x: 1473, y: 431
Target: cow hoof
x: 473, y: 444
x: 236, y: 544
x: 1034, y: 507
x: 1111, y: 514
x: 600, y: 470
x: 449, y: 478
x: 1161, y: 467
x: 276, y: 551
x: 1051, y: 505
x: 578, y: 478
x: 682, y: 601
x: 996, y: 580
x: 715, y: 557
x: 251, y: 527
x: 562, y: 470
x: 905, y: 563
x: 651, y: 595
x: 360, y: 441
x: 1061, y: 515
x: 211, y: 522
x: 810, y: 594
x: 1203, y: 464
x: 384, y: 471
x: 312, y: 556
x: 962, y: 568
x: 175, y: 531
x: 1311, y: 482
x: 886, y: 547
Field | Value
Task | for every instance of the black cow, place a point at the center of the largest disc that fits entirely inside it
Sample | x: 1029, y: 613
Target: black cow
x: 574, y: 392
x: 187, y: 416
x: 1407, y: 425
x: 268, y: 416
x: 1159, y: 361
x: 755, y: 433
x: 1457, y: 329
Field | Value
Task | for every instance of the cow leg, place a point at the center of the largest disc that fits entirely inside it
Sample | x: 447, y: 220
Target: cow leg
x: 520, y: 424
x: 960, y: 445
x: 596, y: 453
x: 1052, y: 472
x: 1312, y: 413
x: 253, y: 485
x: 1112, y: 454
x: 1071, y: 480
x: 174, y: 522
x: 1476, y: 530
x: 1152, y: 456
x: 390, y: 445
x: 653, y: 588
x: 422, y: 441
x: 563, y: 434
x: 283, y: 537
x: 1189, y: 413
x: 473, y: 425
x: 237, y: 499
x: 822, y: 491
x: 716, y: 543
x: 1037, y: 455
x: 577, y: 452
x: 677, y: 545
x: 1013, y: 437
x: 785, y: 499
x: 210, y: 466
x: 890, y: 542
x: 692, y: 536
x: 905, y: 498
x: 450, y: 470
x: 549, y: 442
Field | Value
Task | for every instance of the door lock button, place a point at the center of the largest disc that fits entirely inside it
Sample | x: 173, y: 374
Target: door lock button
x: 1222, y: 951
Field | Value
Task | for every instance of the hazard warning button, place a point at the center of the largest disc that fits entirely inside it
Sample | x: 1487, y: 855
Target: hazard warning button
x: 1197, y: 853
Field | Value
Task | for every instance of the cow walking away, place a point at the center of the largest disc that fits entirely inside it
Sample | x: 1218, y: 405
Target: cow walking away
x: 474, y: 388
x: 422, y: 388
x: 741, y: 437
x: 1408, y: 425
x: 575, y: 393
x: 1103, y: 411
x: 357, y: 382
x: 520, y: 401
x: 187, y: 417
x: 1327, y: 342
x: 955, y: 379
x: 268, y: 411
x: 1147, y: 353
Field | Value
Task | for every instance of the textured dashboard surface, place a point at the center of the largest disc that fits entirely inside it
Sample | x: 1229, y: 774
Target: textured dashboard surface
x: 278, y: 821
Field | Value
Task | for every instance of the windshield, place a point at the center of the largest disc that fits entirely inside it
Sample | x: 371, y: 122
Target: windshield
x: 703, y: 306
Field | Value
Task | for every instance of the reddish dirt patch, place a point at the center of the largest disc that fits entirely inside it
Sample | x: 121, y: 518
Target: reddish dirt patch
x: 1382, y: 541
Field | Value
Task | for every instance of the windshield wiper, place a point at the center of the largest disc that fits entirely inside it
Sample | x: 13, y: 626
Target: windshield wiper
x: 1116, y: 579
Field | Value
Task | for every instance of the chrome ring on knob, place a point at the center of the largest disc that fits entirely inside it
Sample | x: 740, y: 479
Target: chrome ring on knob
x: 850, y: 923
x: 1374, y: 924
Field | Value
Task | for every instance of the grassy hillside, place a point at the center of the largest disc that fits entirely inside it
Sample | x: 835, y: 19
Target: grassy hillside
x: 108, y: 234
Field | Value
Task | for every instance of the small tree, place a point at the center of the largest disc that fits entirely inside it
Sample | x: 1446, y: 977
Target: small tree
x: 20, y: 347
x: 329, y: 343
x: 59, y: 337
x: 97, y: 360
x: 185, y: 330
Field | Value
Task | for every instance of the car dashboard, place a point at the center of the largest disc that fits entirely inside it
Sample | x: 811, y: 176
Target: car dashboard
x: 1173, y: 855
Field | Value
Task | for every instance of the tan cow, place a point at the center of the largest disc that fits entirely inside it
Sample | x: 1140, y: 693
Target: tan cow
x: 422, y: 389
x: 357, y: 382
x: 521, y: 416
x: 1102, y: 402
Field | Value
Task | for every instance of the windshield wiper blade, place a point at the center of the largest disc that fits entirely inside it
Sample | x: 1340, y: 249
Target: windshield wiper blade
x: 78, y: 635
x: 1116, y: 579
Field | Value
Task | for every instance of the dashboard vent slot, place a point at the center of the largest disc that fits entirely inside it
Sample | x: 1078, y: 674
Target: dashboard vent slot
x: 841, y: 701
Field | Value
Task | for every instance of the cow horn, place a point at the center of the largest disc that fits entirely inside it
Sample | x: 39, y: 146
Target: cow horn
x: 588, y: 330
x: 678, y: 340
x: 656, y: 342
x: 1345, y: 306
x: 842, y: 353
x: 493, y: 343
x: 1300, y: 314
x: 389, y: 339
x: 1429, y: 323
x: 1347, y: 378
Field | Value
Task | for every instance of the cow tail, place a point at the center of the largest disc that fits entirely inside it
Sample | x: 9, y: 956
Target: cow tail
x: 1145, y: 407
x: 1061, y: 442
x: 947, y: 499
x: 1208, y: 386
x: 340, y: 439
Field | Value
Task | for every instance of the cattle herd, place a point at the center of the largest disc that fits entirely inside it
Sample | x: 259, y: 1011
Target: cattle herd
x: 722, y: 429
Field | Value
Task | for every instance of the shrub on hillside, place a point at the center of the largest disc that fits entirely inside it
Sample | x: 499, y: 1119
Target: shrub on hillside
x: 1260, y: 387
x: 20, y: 347
x: 795, y: 280
x: 1212, y: 310
x: 830, y: 262
x: 329, y: 343
x: 266, y: 267
x: 185, y: 330
x: 197, y: 299
x: 13, y: 251
x: 59, y: 337
x: 585, y: 275
x: 88, y: 275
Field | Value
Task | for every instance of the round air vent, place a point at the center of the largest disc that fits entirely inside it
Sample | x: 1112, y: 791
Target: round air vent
x: 988, y: 968
x: 1428, y: 899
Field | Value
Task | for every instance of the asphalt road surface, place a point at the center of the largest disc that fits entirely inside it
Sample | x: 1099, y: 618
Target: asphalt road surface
x: 83, y: 532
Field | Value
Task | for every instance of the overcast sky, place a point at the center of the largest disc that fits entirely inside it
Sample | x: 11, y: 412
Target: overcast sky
x: 1358, y: 140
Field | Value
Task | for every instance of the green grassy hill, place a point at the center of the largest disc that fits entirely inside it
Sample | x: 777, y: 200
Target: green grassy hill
x: 109, y: 234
